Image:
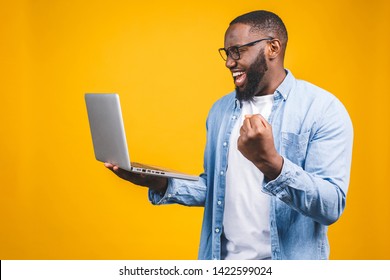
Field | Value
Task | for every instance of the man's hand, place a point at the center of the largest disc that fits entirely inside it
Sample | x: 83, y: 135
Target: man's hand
x: 153, y: 182
x: 256, y: 143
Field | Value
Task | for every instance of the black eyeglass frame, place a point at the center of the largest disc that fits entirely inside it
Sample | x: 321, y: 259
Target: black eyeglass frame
x: 234, y: 51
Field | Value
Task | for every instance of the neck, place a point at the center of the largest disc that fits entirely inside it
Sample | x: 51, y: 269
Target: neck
x: 274, y: 78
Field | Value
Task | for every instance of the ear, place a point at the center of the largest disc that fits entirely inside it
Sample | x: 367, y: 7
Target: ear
x: 274, y: 49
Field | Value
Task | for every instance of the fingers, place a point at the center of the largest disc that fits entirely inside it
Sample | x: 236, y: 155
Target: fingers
x: 108, y: 165
x: 256, y: 120
x: 246, y: 126
x: 111, y: 166
x: 253, y: 124
x: 137, y: 178
x: 118, y: 171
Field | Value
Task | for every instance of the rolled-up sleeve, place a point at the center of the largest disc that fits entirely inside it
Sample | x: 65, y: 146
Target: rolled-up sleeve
x: 184, y: 192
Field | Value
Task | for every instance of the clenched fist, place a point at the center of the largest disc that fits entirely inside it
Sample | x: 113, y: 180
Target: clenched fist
x: 256, y: 143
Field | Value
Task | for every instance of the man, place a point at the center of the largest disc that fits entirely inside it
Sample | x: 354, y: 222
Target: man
x: 277, y: 159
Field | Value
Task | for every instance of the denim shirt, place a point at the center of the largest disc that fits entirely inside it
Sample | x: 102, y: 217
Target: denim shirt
x: 313, y: 133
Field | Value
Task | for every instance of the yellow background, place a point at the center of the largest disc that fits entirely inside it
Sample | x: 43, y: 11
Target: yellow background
x: 57, y: 202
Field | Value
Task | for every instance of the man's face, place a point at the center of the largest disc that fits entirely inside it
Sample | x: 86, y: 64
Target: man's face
x: 248, y: 71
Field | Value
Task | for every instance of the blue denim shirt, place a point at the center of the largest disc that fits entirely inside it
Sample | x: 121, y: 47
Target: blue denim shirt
x: 314, y: 134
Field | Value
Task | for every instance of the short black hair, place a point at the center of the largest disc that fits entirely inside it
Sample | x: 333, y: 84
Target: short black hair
x: 265, y: 21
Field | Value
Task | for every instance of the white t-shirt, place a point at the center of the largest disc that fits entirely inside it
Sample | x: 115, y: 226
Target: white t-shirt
x: 246, y: 229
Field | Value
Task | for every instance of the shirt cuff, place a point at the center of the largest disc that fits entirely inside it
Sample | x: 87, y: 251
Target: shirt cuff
x: 158, y: 198
x: 278, y: 186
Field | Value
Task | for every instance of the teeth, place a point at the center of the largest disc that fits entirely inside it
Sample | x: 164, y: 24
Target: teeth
x: 235, y: 74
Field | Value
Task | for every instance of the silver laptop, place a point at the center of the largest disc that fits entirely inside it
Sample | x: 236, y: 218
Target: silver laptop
x: 109, y: 138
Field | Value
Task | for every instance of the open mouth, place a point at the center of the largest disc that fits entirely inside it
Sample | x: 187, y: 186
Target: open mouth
x: 239, y: 78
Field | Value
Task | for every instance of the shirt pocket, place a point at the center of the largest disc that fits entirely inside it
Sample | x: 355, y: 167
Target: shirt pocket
x: 294, y: 146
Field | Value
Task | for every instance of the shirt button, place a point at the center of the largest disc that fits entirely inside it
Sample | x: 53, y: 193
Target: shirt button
x: 219, y: 202
x: 169, y: 195
x: 234, y: 117
x: 217, y: 230
x: 224, y: 144
x: 222, y: 173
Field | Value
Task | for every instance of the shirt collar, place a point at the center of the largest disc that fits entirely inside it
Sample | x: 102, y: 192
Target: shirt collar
x: 286, y: 86
x: 282, y: 91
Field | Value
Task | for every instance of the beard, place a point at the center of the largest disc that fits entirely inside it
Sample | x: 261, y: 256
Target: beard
x: 254, y: 75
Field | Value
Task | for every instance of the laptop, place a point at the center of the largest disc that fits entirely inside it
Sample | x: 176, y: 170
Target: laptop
x: 109, y: 138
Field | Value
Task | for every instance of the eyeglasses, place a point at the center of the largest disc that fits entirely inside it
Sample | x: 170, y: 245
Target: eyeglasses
x: 234, y: 51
